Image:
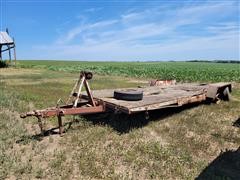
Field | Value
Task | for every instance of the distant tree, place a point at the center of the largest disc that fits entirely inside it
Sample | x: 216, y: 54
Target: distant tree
x: 217, y: 61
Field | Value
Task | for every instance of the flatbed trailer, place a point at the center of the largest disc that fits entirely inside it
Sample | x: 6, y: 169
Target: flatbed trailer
x: 154, y: 97
x: 158, y: 97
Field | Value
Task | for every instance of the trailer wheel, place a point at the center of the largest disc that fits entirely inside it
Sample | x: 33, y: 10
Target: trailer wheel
x: 128, y: 95
x: 226, y: 94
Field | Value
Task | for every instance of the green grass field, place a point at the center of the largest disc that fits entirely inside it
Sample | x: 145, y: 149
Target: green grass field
x: 181, y: 71
x: 173, y: 144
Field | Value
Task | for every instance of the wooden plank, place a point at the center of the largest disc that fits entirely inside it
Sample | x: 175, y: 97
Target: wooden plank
x: 220, y: 84
x: 154, y: 97
x: 151, y: 99
x: 153, y: 106
x: 151, y: 90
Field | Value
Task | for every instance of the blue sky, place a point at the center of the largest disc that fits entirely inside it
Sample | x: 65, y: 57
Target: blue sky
x: 123, y: 30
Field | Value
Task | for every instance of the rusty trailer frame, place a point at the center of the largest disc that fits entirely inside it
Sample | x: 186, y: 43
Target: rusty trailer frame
x: 154, y: 97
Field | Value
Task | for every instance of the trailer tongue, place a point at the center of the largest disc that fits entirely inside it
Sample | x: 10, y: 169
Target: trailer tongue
x: 79, y: 106
x: 149, y: 98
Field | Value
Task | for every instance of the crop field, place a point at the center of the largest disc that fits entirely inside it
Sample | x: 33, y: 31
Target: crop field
x: 198, y: 141
x: 181, y: 71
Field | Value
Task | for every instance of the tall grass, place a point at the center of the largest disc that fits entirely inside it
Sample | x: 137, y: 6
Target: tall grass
x: 3, y: 64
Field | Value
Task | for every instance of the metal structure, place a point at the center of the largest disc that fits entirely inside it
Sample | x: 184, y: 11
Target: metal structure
x: 154, y: 97
x: 78, y: 105
x: 8, y: 43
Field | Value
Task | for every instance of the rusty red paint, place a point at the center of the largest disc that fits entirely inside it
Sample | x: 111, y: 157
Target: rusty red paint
x: 86, y: 104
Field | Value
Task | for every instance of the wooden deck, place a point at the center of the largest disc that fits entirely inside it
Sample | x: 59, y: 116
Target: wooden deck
x: 154, y: 97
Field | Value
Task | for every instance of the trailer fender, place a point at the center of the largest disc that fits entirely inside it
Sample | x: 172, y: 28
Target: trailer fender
x: 214, y: 90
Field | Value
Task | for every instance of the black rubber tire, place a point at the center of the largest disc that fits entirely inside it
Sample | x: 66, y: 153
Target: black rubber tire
x: 128, y: 95
x: 226, y: 94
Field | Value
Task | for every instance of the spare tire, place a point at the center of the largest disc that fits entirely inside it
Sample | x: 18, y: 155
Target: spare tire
x: 128, y: 95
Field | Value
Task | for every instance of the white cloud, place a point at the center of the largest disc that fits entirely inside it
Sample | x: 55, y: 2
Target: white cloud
x: 153, y: 34
x: 93, y: 9
x: 80, y: 29
x: 218, y: 47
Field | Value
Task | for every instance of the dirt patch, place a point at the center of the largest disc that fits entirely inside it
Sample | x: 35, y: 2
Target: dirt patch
x: 151, y: 135
x: 15, y: 71
x: 139, y: 81
x: 18, y: 81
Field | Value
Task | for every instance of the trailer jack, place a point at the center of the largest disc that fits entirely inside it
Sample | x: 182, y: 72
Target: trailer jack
x: 75, y: 105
